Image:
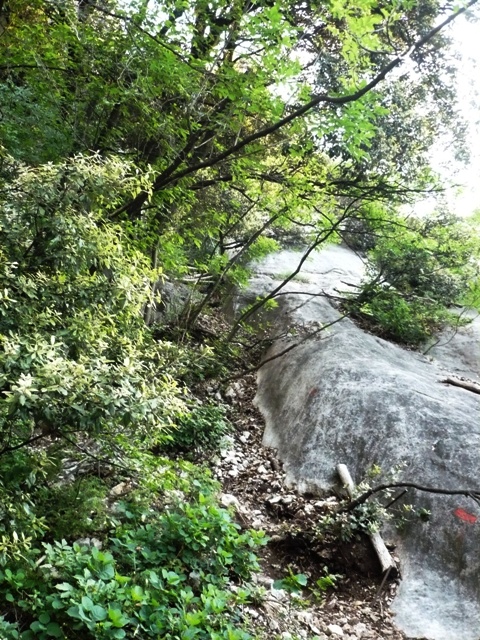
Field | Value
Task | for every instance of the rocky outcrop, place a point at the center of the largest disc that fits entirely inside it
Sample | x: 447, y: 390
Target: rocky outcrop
x: 458, y: 348
x: 350, y: 397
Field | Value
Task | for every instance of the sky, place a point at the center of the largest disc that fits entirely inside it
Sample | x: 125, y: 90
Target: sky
x: 466, y: 35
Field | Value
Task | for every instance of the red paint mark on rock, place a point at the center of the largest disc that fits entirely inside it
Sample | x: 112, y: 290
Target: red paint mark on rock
x: 465, y: 516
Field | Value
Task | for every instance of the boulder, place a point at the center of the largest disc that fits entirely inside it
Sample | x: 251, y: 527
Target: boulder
x: 458, y: 349
x: 350, y: 397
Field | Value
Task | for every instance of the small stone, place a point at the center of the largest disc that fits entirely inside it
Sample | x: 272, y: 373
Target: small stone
x: 229, y: 500
x: 89, y: 542
x: 334, y: 630
x: 359, y: 629
x: 278, y: 594
x: 195, y: 578
x: 273, y: 624
x: 120, y: 489
x: 262, y: 579
x: 305, y: 616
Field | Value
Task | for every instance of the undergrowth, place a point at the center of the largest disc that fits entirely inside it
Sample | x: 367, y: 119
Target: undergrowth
x: 162, y: 564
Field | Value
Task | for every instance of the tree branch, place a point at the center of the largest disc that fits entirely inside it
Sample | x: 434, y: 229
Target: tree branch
x: 25, y: 443
x: 468, y: 493
x: 172, y: 176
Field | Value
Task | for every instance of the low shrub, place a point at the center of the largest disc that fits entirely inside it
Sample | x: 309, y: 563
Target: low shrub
x: 414, y: 277
x: 74, y: 509
x: 164, y: 571
x: 408, y: 321
x: 201, y: 430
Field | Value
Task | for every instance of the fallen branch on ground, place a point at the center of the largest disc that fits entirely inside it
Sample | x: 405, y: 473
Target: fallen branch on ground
x: 386, y: 561
x: 469, y: 385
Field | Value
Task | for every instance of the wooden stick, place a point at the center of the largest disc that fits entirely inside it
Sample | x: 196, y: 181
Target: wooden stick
x: 469, y: 385
x: 386, y: 561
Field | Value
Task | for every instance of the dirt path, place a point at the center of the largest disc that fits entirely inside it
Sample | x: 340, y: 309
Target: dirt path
x: 253, y: 481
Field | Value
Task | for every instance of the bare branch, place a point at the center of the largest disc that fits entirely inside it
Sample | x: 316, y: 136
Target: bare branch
x: 468, y: 493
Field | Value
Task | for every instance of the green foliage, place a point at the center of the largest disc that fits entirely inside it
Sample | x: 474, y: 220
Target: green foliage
x: 76, y: 356
x: 414, y: 277
x: 327, y: 581
x: 408, y: 321
x: 163, y: 572
x: 346, y: 525
x: 370, y: 515
x: 73, y: 510
x: 262, y: 247
x: 175, y: 87
x: 293, y: 582
x: 21, y: 522
x: 324, y: 584
x: 200, y: 430
x: 193, y: 95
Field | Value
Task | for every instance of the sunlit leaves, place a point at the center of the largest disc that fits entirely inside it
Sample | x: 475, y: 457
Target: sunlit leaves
x: 76, y: 356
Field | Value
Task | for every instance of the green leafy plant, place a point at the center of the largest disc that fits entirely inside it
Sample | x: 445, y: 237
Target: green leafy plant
x: 293, y: 582
x: 74, y: 509
x: 325, y: 583
x: 414, y: 277
x: 76, y: 356
x: 200, y: 430
x: 163, y: 572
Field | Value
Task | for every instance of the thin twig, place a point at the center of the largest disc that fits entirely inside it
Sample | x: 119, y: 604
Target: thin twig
x: 25, y: 443
x: 93, y: 456
x: 286, y: 350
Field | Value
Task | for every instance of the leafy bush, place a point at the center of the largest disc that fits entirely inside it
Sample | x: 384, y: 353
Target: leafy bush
x: 20, y: 523
x: 409, y: 321
x: 200, y: 430
x: 76, y: 356
x: 414, y: 277
x: 163, y: 572
x: 75, y: 509
x: 364, y: 519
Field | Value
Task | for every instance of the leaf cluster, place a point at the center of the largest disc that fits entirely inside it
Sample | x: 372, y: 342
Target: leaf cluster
x: 417, y: 273
x: 158, y: 573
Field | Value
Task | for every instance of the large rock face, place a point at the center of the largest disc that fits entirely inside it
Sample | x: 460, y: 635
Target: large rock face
x: 350, y: 397
x: 458, y: 349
